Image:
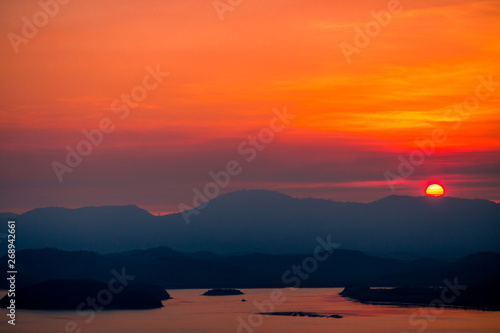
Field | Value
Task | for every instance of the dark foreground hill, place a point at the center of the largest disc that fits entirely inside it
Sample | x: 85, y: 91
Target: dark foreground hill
x: 260, y: 221
x: 484, y: 295
x: 74, y: 294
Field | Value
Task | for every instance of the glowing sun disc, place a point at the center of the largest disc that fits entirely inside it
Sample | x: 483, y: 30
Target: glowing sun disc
x: 434, y: 190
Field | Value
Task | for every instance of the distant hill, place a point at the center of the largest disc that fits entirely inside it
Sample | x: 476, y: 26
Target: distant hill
x: 6, y: 216
x: 270, y: 222
x: 171, y: 269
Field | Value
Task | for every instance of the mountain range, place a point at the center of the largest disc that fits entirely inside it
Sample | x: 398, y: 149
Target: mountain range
x: 171, y: 269
x: 261, y: 221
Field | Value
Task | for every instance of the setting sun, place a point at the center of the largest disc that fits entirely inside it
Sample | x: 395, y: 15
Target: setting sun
x: 434, y: 190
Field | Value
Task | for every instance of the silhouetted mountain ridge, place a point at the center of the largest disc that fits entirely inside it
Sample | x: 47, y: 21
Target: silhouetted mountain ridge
x: 171, y: 269
x: 119, y: 210
x: 270, y: 222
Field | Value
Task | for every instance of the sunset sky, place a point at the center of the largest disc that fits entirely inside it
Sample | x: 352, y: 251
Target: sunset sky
x: 352, y: 120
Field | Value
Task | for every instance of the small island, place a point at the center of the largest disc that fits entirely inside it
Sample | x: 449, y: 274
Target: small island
x: 223, y: 292
x: 81, y: 294
x: 303, y: 314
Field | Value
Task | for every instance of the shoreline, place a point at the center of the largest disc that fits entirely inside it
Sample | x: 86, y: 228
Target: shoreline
x: 420, y: 305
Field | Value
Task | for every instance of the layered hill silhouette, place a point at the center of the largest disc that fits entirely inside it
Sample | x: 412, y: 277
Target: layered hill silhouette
x: 270, y: 222
x: 171, y: 269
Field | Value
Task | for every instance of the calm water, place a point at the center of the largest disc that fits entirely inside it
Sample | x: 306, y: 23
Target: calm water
x: 190, y: 312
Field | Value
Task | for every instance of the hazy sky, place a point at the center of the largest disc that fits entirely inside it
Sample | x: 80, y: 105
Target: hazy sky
x: 356, y: 111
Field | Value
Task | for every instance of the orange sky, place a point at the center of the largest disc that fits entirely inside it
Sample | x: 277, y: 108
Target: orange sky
x: 352, y: 120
